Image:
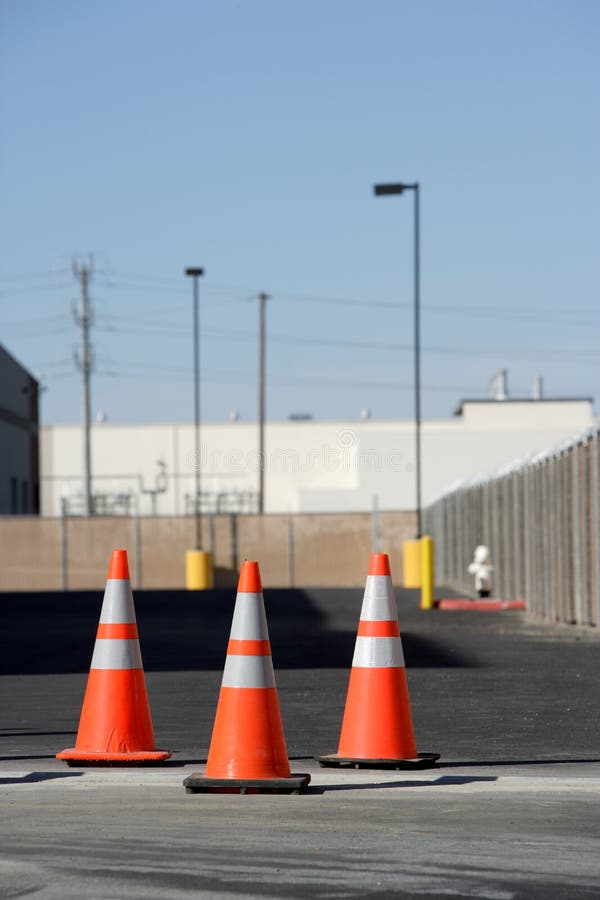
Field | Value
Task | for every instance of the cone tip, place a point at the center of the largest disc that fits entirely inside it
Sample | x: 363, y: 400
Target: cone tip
x: 249, y: 582
x: 379, y: 564
x: 118, y: 566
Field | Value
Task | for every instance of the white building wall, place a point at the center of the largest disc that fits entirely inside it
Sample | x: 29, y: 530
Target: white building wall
x: 311, y: 466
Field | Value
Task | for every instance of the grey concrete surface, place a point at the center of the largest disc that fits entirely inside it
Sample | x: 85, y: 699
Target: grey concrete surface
x: 510, y: 811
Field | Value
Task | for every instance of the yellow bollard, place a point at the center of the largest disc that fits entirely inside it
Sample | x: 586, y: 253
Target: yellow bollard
x: 427, y: 572
x: 411, y: 564
x: 198, y: 570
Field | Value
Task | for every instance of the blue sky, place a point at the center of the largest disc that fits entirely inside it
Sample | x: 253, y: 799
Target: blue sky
x: 245, y: 137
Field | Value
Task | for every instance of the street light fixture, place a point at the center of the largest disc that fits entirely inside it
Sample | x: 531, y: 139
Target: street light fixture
x: 196, y: 273
x: 381, y: 190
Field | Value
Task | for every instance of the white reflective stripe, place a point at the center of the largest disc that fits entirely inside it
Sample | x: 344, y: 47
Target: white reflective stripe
x: 117, y: 606
x: 248, y: 672
x: 249, y: 620
x: 379, y: 603
x: 116, y: 653
x: 378, y: 653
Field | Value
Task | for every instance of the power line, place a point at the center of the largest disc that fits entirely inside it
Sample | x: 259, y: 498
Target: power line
x: 36, y: 320
x: 31, y: 276
x: 153, y: 289
x: 143, y: 373
x: 146, y: 289
x: 133, y: 326
x: 33, y: 289
x: 536, y: 315
x: 161, y: 283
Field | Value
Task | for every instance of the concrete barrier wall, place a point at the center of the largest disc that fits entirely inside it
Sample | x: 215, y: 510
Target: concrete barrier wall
x: 294, y: 551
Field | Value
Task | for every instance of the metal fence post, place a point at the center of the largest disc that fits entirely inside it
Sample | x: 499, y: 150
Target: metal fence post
x: 64, y: 546
x: 577, y: 536
x: 290, y: 551
x: 561, y: 533
x: 527, y: 536
x: 137, y: 536
x: 595, y: 515
x: 555, y: 516
x: 516, y: 541
x: 212, y: 536
x: 586, y: 504
x: 508, y: 560
x: 375, y: 532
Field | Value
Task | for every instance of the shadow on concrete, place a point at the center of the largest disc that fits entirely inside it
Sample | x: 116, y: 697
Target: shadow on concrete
x: 28, y: 756
x: 185, y: 761
x: 35, y: 777
x: 516, y: 762
x: 52, y: 633
x: 31, y: 733
x: 444, y: 781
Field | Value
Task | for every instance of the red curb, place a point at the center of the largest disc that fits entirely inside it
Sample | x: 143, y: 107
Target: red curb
x: 479, y: 605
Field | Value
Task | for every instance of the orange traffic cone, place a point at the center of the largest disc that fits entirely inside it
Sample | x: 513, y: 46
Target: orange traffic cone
x: 247, y: 751
x: 115, y: 725
x: 377, y: 729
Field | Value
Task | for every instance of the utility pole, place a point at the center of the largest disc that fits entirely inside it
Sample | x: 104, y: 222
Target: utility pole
x: 83, y: 273
x: 262, y: 299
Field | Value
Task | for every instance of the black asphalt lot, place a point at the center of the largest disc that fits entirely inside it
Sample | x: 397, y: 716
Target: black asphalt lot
x: 510, y: 811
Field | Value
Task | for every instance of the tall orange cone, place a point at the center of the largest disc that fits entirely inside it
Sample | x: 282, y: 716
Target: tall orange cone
x: 377, y: 729
x: 115, y: 727
x: 247, y: 751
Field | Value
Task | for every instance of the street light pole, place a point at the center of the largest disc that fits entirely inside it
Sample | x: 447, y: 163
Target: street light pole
x: 382, y: 190
x: 196, y: 273
x: 417, y: 317
x: 262, y: 299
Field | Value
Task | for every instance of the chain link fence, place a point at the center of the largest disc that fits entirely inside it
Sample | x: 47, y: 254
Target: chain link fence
x: 540, y: 517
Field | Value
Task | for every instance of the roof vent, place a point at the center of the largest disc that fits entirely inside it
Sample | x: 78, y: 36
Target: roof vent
x: 499, y: 384
x: 537, y: 388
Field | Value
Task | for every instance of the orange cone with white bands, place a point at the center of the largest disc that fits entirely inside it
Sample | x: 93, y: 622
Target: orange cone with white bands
x: 377, y: 728
x: 115, y: 726
x: 247, y: 750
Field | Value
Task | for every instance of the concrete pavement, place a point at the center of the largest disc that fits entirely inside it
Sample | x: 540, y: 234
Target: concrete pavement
x: 510, y: 811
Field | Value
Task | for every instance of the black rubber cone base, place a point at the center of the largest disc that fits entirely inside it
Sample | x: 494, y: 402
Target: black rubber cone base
x: 200, y: 784
x: 88, y: 758
x: 114, y: 763
x: 421, y: 761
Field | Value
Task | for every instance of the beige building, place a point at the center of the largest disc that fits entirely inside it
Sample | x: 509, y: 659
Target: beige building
x: 310, y: 466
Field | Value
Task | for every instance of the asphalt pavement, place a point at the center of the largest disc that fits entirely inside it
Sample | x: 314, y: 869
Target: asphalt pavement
x: 511, y: 810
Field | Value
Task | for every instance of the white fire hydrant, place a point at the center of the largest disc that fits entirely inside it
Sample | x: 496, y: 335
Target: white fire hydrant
x: 482, y: 568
